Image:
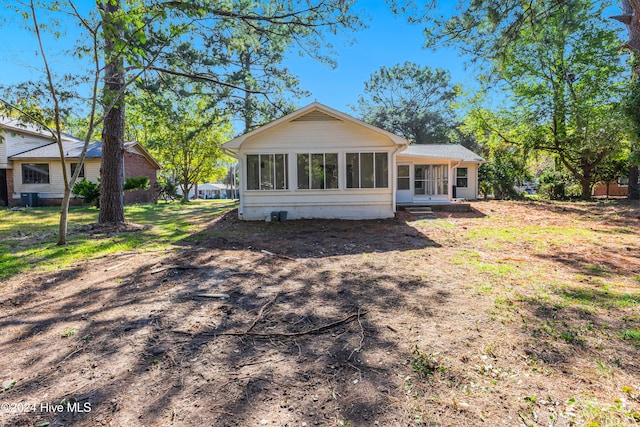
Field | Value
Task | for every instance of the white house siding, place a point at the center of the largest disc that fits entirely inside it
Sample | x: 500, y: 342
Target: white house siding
x: 471, y: 191
x: 16, y: 143
x: 55, y: 188
x: 468, y: 193
x: 325, y: 136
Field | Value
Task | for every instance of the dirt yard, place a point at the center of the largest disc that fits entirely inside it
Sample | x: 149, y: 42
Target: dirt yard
x: 513, y: 314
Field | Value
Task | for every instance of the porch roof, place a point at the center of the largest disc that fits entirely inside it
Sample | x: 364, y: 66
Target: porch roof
x: 441, y: 151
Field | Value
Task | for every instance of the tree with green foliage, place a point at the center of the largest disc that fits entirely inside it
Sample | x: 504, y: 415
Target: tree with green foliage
x: 410, y: 100
x: 183, y: 133
x: 567, y: 80
x: 46, y: 103
x: 500, y: 138
x: 488, y: 29
x: 120, y: 40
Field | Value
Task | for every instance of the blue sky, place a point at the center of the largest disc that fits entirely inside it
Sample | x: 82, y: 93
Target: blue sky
x: 388, y: 40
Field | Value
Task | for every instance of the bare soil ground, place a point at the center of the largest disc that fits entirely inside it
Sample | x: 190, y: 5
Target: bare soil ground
x: 452, y: 320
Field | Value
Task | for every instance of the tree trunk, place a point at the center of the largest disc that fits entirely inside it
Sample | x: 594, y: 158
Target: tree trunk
x: 64, y: 217
x: 185, y: 193
x: 634, y: 188
x: 112, y: 166
x: 631, y: 18
x: 585, y: 182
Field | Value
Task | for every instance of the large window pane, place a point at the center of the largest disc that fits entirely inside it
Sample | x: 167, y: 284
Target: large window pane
x: 267, y: 163
x: 253, y: 172
x: 281, y: 171
x: 366, y: 170
x: 353, y: 170
x: 331, y: 170
x: 35, y: 173
x: 303, y: 171
x: 382, y: 170
x: 317, y: 170
x: 404, y: 182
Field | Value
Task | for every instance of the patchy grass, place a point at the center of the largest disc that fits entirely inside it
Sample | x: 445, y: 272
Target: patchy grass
x: 513, y: 314
x: 28, y: 237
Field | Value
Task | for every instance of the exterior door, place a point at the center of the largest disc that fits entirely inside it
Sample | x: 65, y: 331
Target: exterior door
x: 4, y: 196
x: 431, y: 182
x: 403, y: 188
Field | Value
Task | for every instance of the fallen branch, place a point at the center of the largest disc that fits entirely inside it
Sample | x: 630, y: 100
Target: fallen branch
x: 174, y: 266
x: 313, y: 331
x: 361, y: 337
x: 116, y: 266
x: 277, y: 255
x: 261, y: 313
x: 221, y: 296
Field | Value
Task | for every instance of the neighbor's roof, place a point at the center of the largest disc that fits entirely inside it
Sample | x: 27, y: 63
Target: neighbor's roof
x: 15, y: 125
x: 73, y: 149
x: 311, y: 110
x: 442, y: 151
x: 209, y: 186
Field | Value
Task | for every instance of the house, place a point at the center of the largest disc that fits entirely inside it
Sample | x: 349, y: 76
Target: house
x: 30, y: 164
x: 318, y: 162
x: 213, y: 191
x: 208, y: 191
x: 619, y: 188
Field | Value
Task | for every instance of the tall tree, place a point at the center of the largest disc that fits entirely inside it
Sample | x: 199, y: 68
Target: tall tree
x: 631, y: 18
x: 567, y: 80
x: 411, y: 100
x: 486, y: 29
x: 142, y: 36
x: 184, y: 134
x: 48, y: 103
x: 112, y: 165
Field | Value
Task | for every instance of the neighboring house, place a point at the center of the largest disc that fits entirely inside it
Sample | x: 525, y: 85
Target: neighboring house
x: 30, y: 163
x: 616, y: 188
x: 318, y: 162
x: 208, y: 191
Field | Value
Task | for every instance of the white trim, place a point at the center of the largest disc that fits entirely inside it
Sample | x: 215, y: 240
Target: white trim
x: 236, y: 143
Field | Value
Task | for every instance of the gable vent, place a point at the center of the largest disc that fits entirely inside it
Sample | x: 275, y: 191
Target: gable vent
x: 316, y: 116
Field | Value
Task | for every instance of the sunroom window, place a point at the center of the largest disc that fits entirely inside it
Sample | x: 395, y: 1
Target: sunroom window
x: 317, y: 171
x: 267, y: 172
x: 367, y: 170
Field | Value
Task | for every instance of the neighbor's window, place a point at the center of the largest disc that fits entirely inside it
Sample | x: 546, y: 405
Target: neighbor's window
x: 35, y: 173
x: 73, y: 170
x: 367, y: 170
x: 317, y: 171
x: 462, y: 177
x: 623, y: 181
x: 267, y: 171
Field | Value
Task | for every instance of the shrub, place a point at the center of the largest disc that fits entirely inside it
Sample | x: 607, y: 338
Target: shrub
x: 89, y: 191
x: 553, y: 185
x: 136, y: 183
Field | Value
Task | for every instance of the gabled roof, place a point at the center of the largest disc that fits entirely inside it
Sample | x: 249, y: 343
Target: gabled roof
x: 442, y: 151
x: 316, y: 112
x: 17, y: 126
x: 73, y: 149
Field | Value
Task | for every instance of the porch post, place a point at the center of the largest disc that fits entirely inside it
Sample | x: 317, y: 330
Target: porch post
x: 450, y: 183
x: 394, y: 180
